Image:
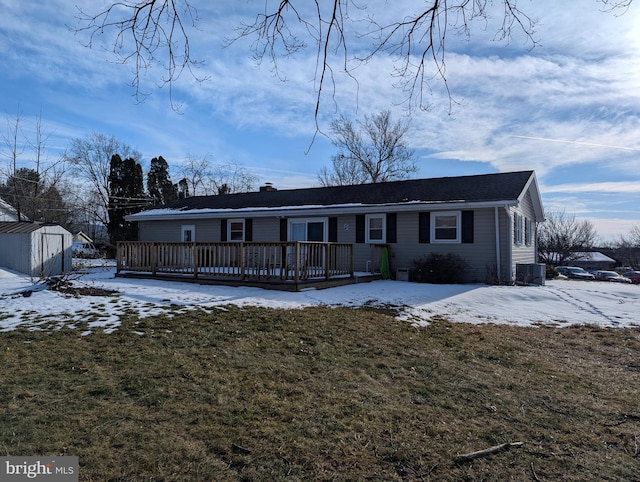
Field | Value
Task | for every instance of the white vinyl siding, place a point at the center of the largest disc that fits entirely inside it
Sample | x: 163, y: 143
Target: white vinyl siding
x: 171, y: 231
x: 480, y: 255
x: 525, y: 251
x: 266, y: 230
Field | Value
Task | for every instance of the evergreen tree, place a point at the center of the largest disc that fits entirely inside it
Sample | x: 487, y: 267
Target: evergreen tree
x: 126, y: 196
x: 35, y: 198
x: 159, y: 186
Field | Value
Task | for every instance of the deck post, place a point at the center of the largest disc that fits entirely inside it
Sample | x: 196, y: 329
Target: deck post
x: 153, y: 258
x: 196, y: 262
x: 118, y: 257
x: 327, y: 261
x: 352, y: 260
x: 296, y: 264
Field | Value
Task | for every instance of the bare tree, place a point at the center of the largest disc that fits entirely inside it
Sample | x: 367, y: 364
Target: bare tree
x: 627, y: 248
x: 634, y: 236
x: 561, y: 238
x: 12, y: 140
x: 370, y: 151
x: 194, y: 172
x: 232, y: 177
x: 203, y: 178
x: 33, y: 191
x: 90, y: 158
x: 148, y: 32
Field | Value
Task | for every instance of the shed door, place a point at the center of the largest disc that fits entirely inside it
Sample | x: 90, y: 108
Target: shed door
x: 51, y: 254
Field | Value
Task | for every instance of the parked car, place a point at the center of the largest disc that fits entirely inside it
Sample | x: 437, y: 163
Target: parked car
x: 633, y: 275
x: 610, y: 276
x: 574, y: 272
x: 84, y: 250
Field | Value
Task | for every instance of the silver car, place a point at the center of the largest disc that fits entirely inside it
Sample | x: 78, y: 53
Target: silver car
x: 610, y: 276
x: 574, y: 272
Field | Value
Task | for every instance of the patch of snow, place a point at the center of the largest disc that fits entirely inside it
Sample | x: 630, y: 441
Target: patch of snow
x: 560, y: 302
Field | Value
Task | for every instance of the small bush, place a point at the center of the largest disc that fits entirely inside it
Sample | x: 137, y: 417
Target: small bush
x: 552, y: 272
x: 440, y: 268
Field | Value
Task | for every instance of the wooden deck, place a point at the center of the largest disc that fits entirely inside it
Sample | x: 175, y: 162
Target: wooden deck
x: 288, y: 265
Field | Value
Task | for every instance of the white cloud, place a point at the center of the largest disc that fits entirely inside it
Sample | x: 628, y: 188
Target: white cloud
x: 595, y: 187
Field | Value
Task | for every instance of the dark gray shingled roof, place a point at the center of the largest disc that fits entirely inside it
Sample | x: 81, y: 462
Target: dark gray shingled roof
x: 478, y: 188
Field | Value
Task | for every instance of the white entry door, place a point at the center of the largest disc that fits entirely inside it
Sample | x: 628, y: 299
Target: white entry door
x: 188, y: 236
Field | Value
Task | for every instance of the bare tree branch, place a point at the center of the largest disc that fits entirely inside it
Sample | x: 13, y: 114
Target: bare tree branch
x: 157, y: 31
x: 146, y: 33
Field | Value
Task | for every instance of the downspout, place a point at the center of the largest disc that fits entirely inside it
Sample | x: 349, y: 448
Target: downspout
x: 497, y: 226
x: 536, y: 258
x: 509, y: 245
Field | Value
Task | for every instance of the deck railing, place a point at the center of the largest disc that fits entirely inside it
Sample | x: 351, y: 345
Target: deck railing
x: 252, y: 261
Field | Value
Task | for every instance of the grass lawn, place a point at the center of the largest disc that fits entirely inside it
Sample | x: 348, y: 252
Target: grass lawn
x: 324, y: 394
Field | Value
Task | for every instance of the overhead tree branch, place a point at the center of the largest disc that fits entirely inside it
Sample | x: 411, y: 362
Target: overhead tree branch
x: 157, y: 31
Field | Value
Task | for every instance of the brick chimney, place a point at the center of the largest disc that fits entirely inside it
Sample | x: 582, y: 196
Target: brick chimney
x: 267, y: 187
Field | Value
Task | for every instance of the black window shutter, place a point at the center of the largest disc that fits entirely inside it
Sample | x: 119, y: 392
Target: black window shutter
x: 360, y: 227
x: 392, y: 230
x: 223, y: 230
x: 333, y: 230
x: 248, y: 229
x: 283, y: 229
x: 467, y: 227
x: 424, y: 227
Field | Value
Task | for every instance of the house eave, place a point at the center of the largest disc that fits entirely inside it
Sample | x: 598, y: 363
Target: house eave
x: 297, y: 211
x: 532, y: 184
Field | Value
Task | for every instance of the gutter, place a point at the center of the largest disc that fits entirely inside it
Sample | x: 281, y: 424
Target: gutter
x: 296, y: 211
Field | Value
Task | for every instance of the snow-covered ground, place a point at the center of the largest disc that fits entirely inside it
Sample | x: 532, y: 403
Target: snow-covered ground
x: 559, y: 302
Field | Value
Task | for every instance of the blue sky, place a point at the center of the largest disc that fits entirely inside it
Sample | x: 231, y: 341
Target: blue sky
x: 568, y: 108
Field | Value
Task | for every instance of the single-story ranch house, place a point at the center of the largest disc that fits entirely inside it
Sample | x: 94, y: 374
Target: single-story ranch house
x: 489, y: 220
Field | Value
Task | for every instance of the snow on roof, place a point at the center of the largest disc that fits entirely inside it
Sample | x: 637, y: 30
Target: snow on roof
x: 594, y: 256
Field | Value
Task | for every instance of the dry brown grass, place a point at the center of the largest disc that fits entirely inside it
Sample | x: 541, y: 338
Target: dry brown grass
x: 324, y: 394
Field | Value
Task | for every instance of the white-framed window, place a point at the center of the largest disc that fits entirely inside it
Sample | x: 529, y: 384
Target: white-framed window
x: 235, y: 230
x: 445, y: 227
x: 528, y: 233
x: 375, y: 228
x: 188, y: 233
x: 517, y: 228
